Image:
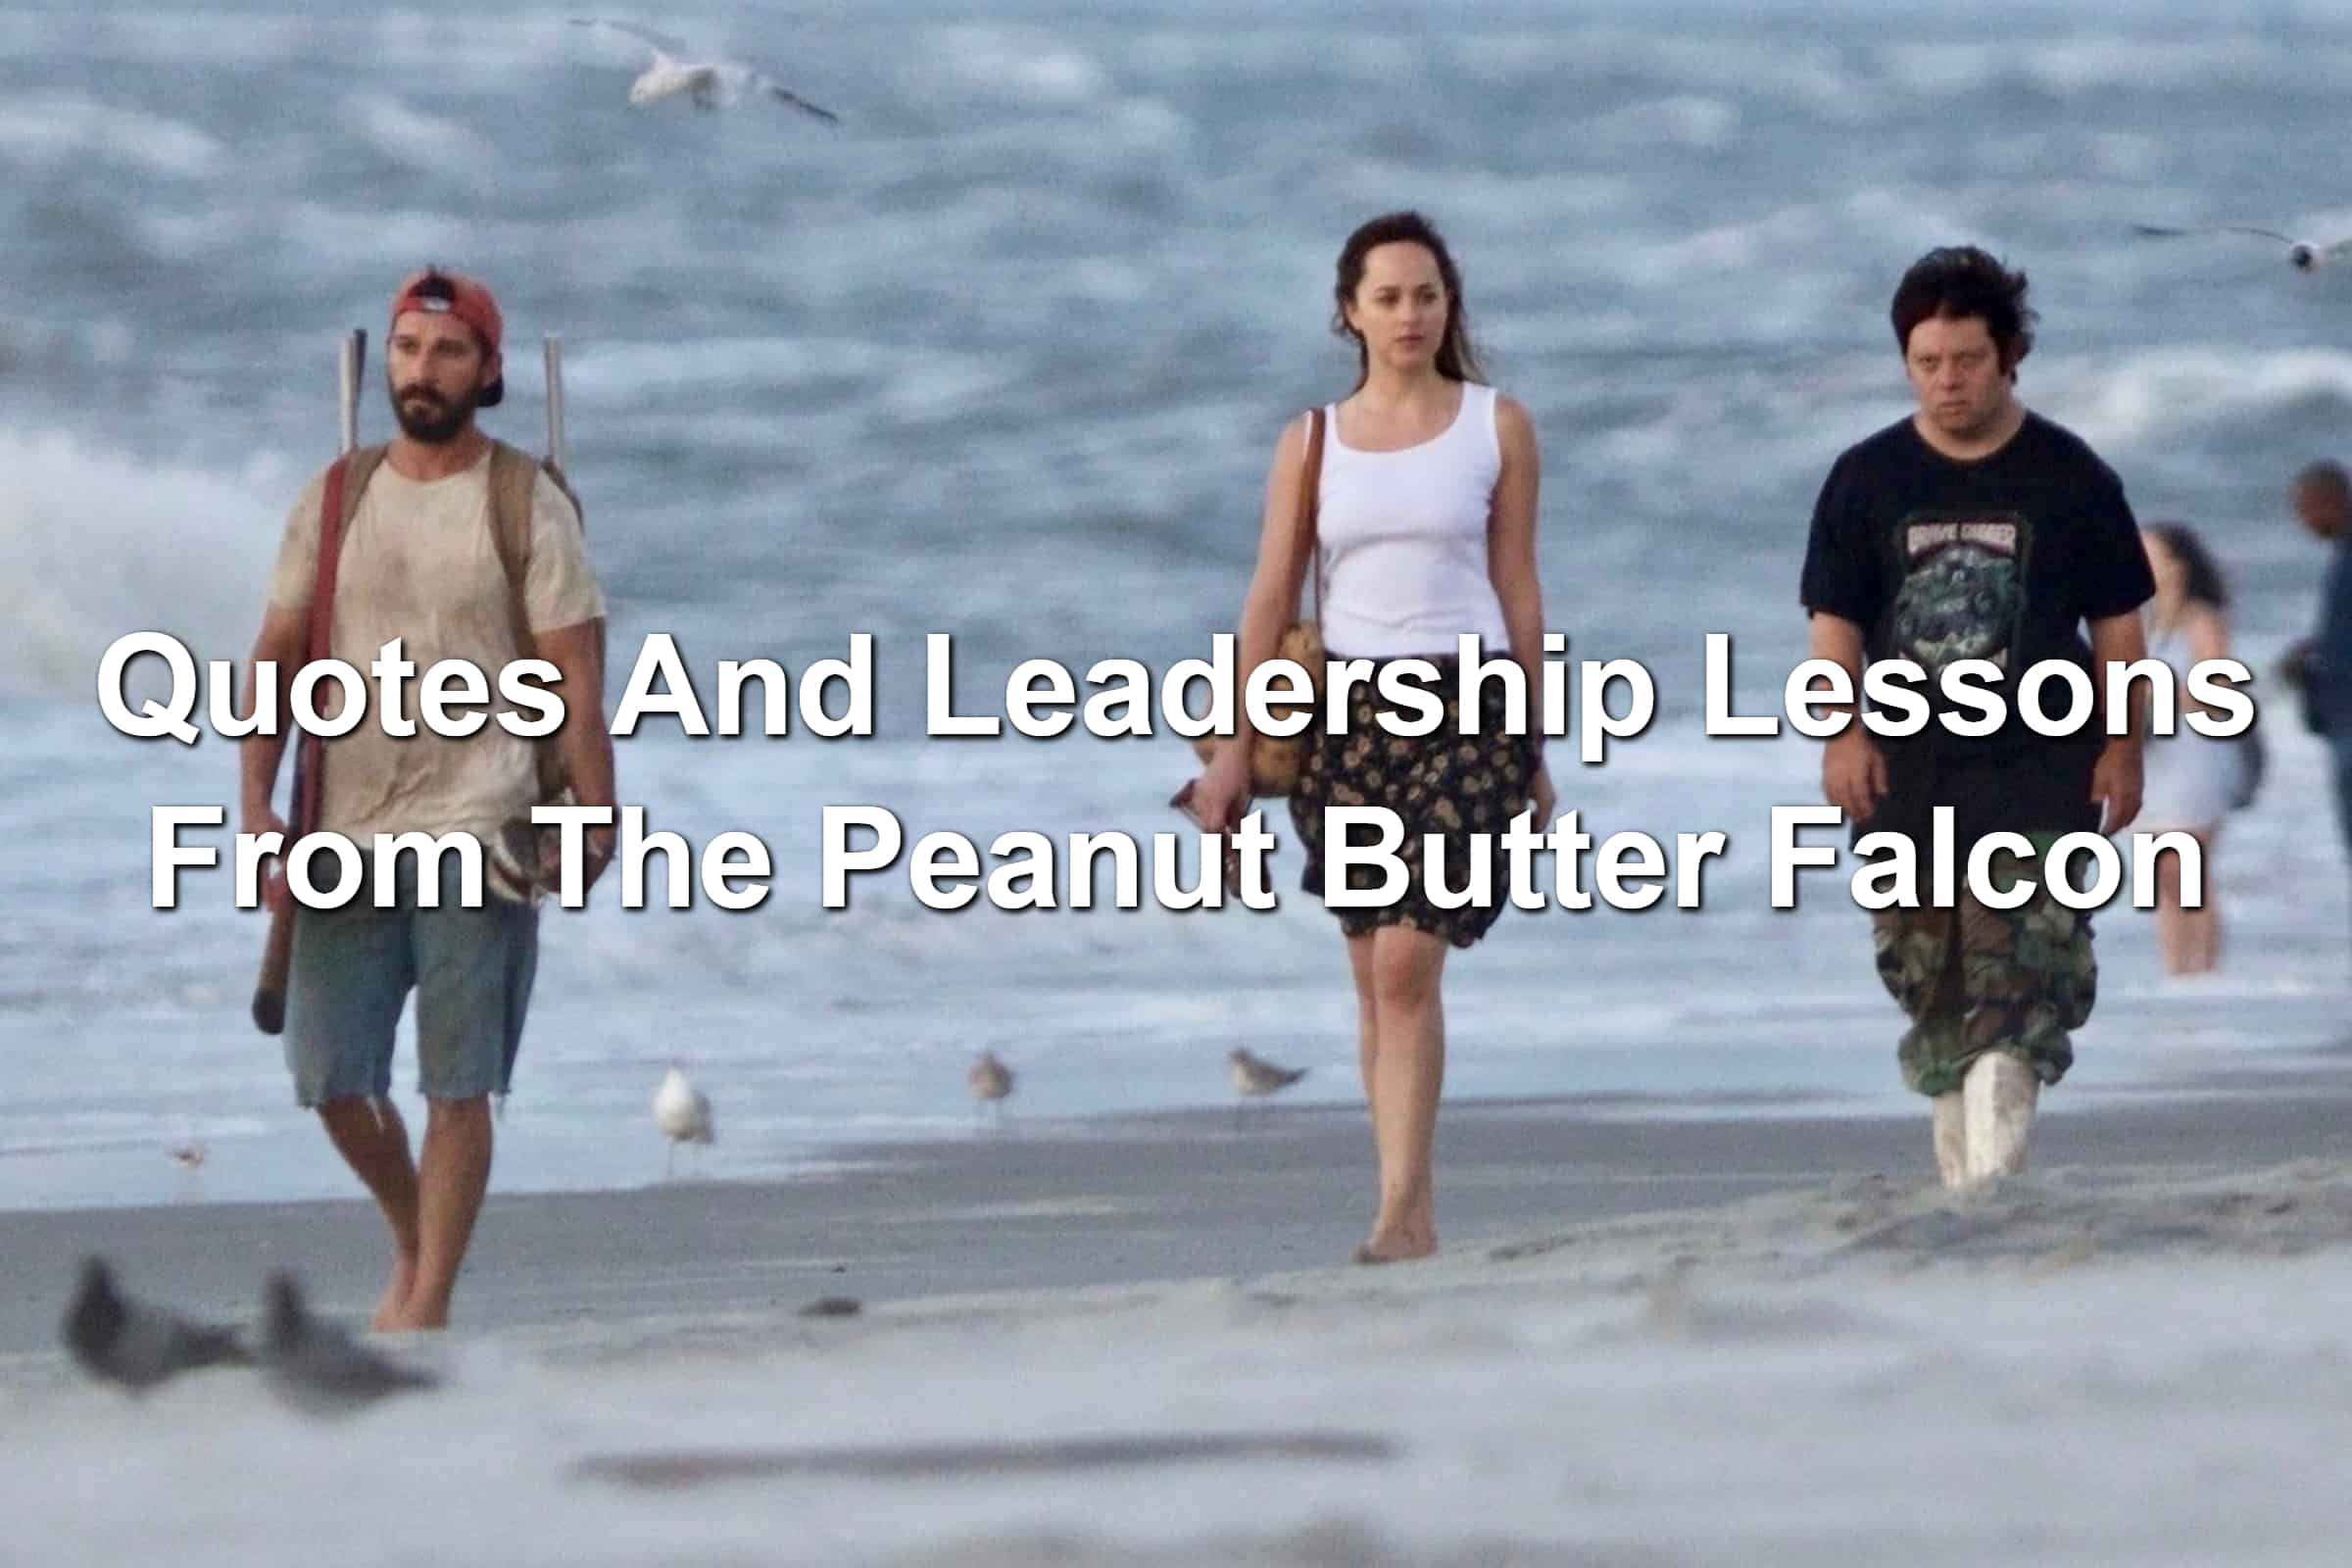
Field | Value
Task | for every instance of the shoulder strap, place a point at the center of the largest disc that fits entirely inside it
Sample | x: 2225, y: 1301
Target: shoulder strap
x: 514, y: 476
x: 346, y: 477
x: 1310, y: 500
x: 360, y: 467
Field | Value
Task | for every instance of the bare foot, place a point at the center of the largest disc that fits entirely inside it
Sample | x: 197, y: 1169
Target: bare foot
x: 395, y: 1300
x: 416, y: 1315
x: 416, y: 1323
x: 1395, y: 1247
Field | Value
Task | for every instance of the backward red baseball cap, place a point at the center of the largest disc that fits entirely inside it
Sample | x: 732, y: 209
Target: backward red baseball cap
x: 441, y: 293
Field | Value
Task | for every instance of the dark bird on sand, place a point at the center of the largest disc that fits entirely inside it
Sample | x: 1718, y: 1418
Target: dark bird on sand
x: 318, y: 1365
x: 136, y: 1344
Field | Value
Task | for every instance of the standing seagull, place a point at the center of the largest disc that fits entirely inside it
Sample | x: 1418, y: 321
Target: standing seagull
x: 317, y: 1366
x: 125, y: 1341
x: 2301, y: 254
x: 991, y: 1084
x: 1254, y: 1078
x: 683, y: 1115
x: 712, y: 84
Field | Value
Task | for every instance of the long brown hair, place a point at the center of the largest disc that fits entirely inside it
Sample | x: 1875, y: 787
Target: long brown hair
x: 1458, y: 360
x: 2202, y: 581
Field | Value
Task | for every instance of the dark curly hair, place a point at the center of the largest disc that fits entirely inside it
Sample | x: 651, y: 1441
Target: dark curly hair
x: 1457, y: 361
x: 1958, y: 281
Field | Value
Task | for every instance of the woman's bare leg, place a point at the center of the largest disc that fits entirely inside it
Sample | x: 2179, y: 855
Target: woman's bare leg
x: 1408, y: 1073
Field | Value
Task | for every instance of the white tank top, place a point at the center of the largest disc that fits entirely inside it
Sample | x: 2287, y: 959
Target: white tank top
x: 1403, y: 539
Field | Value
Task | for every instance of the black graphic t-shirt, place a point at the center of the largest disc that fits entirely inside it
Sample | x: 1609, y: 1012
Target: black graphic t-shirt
x: 2002, y: 558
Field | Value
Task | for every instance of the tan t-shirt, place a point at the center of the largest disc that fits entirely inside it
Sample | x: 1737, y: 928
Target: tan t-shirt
x: 419, y: 563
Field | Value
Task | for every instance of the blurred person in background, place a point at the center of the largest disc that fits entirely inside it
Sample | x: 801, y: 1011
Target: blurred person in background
x: 2191, y: 782
x: 2319, y: 668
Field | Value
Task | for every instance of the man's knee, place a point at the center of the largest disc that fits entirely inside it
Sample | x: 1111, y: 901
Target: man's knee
x: 355, y: 1113
x: 468, y: 1110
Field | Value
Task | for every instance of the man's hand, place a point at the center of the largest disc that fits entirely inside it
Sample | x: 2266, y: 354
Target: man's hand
x: 1853, y: 773
x: 2116, y: 782
x: 596, y: 852
x: 598, y: 844
x: 276, y: 897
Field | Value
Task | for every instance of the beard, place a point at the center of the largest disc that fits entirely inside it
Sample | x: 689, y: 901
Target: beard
x: 428, y: 418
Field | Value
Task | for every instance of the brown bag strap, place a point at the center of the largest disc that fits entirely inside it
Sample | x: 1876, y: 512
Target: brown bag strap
x: 514, y: 475
x: 338, y: 503
x: 514, y: 478
x: 1310, y: 500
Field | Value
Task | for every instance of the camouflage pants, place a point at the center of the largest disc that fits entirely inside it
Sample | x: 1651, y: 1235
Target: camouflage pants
x: 1974, y: 979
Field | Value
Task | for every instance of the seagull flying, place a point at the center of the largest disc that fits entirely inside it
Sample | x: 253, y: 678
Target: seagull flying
x: 317, y: 1366
x: 125, y: 1341
x: 682, y: 1113
x: 2301, y: 254
x: 711, y: 83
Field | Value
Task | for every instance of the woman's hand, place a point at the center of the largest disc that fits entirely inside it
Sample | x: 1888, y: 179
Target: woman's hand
x: 1546, y: 800
x: 1221, y: 797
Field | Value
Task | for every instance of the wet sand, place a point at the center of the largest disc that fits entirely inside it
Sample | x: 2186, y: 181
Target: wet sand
x: 1093, y: 1203
x: 1653, y: 1337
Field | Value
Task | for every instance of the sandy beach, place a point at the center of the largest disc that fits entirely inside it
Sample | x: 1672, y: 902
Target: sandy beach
x: 1652, y: 1338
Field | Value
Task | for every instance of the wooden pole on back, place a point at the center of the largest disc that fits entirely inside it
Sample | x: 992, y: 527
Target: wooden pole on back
x: 554, y: 402
x: 278, y: 954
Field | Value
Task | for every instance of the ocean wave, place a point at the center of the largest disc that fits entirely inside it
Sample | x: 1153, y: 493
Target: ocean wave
x: 180, y: 36
x: 1026, y: 65
x: 1687, y: 120
x: 185, y: 549
x: 2143, y: 400
x: 63, y: 126
x: 419, y: 140
x: 631, y: 367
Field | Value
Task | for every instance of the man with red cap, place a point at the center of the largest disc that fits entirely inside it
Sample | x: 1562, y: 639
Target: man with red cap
x: 418, y: 556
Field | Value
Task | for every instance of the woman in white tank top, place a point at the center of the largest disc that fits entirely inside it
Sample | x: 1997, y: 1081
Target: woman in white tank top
x: 1426, y: 531
x: 2192, y: 781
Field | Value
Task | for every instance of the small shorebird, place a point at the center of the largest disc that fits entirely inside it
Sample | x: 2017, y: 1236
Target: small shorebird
x: 709, y: 84
x: 682, y: 1113
x: 990, y: 1083
x: 1254, y: 1078
x: 2302, y: 254
x: 189, y: 1157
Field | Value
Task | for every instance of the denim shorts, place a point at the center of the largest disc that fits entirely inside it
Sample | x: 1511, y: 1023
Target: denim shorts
x: 352, y: 971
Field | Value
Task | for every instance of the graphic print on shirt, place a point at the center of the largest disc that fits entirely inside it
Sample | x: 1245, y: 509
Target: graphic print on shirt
x: 1963, y: 594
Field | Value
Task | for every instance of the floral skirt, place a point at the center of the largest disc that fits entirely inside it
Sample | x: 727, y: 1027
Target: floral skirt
x: 1443, y: 782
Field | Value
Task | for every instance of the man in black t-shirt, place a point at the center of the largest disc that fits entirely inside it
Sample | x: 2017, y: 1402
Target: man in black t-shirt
x: 1975, y: 529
